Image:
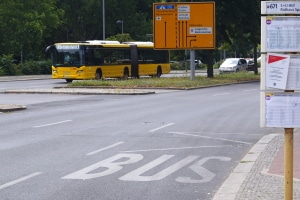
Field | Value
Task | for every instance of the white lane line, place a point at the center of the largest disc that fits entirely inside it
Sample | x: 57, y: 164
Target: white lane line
x: 220, y: 94
x: 19, y: 180
x: 103, y: 149
x: 161, y: 127
x: 179, y: 148
x: 213, y: 138
x: 250, y: 90
x: 52, y: 123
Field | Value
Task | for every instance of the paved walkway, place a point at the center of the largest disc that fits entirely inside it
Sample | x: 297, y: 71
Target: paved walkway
x: 260, y: 174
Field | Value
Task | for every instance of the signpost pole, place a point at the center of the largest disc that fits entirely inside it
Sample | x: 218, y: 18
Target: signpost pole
x: 192, y: 64
x: 286, y: 46
x: 288, y: 163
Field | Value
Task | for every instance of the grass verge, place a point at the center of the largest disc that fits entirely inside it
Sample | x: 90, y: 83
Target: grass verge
x: 173, y: 82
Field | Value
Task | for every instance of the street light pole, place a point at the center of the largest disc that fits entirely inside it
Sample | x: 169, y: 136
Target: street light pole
x: 103, y: 18
x: 120, y: 21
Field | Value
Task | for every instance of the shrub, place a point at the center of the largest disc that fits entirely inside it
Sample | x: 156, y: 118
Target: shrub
x: 35, y: 67
x: 7, y: 67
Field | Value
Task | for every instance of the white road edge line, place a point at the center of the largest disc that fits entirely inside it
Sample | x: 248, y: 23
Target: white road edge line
x: 105, y: 148
x: 161, y: 127
x: 52, y: 123
x: 19, y: 180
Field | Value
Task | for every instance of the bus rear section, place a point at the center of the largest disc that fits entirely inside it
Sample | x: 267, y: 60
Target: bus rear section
x: 153, y: 62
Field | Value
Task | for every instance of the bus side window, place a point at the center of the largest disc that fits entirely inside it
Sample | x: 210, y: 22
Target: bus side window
x: 89, y: 57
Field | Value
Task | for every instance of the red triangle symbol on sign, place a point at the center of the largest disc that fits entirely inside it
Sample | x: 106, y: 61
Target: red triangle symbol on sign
x: 275, y: 58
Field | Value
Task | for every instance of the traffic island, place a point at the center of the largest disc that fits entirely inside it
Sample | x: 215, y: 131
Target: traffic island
x: 11, y: 107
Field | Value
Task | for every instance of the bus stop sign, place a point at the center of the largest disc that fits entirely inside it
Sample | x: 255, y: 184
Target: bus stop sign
x: 184, y: 25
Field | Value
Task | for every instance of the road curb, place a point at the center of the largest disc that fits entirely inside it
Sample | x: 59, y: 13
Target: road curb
x: 232, y: 185
x: 11, y: 107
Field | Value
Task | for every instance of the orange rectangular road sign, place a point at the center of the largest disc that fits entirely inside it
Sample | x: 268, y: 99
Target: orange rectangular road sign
x: 184, y: 25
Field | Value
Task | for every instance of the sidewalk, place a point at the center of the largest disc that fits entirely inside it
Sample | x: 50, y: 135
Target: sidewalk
x: 260, y: 174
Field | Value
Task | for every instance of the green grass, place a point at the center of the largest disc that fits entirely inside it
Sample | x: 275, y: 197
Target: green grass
x: 174, y: 82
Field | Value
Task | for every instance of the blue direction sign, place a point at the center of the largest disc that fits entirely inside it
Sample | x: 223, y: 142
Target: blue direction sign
x: 165, y: 7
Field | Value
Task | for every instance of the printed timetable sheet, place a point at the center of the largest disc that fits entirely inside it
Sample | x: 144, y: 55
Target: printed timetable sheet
x: 293, y: 79
x: 281, y: 34
x: 282, y: 110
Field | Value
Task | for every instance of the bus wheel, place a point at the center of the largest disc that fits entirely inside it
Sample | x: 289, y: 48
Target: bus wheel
x: 125, y: 73
x: 69, y: 80
x: 159, y: 72
x: 98, y: 74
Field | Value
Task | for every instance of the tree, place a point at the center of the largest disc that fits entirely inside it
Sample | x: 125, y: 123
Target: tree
x: 25, y: 26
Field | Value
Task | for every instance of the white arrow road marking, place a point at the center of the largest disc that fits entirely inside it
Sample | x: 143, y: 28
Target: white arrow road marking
x: 19, y: 180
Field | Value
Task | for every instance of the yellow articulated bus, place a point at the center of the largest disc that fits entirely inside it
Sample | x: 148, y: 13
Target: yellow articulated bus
x: 96, y: 59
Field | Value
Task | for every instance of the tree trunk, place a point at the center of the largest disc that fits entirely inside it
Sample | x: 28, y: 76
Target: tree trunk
x: 210, y: 70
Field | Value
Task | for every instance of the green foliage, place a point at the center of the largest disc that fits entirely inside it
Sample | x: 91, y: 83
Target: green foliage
x: 28, y: 27
x: 7, y: 67
x: 125, y: 37
x: 35, y: 67
x: 24, y: 26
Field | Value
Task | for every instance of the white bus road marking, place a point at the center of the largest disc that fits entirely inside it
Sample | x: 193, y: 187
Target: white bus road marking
x: 223, y: 139
x: 136, y: 175
x: 161, y: 127
x: 52, y: 123
x: 19, y: 180
x: 109, y: 164
x: 103, y: 149
x: 116, y: 163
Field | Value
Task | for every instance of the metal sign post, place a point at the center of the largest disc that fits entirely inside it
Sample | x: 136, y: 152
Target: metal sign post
x: 284, y: 26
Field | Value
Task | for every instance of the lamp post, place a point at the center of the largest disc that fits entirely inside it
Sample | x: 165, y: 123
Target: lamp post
x: 103, y: 18
x: 120, y: 22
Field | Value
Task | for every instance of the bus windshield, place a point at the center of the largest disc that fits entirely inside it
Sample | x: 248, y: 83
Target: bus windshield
x: 68, y: 57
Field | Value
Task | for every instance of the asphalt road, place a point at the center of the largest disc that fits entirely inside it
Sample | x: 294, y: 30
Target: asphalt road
x: 172, y: 145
